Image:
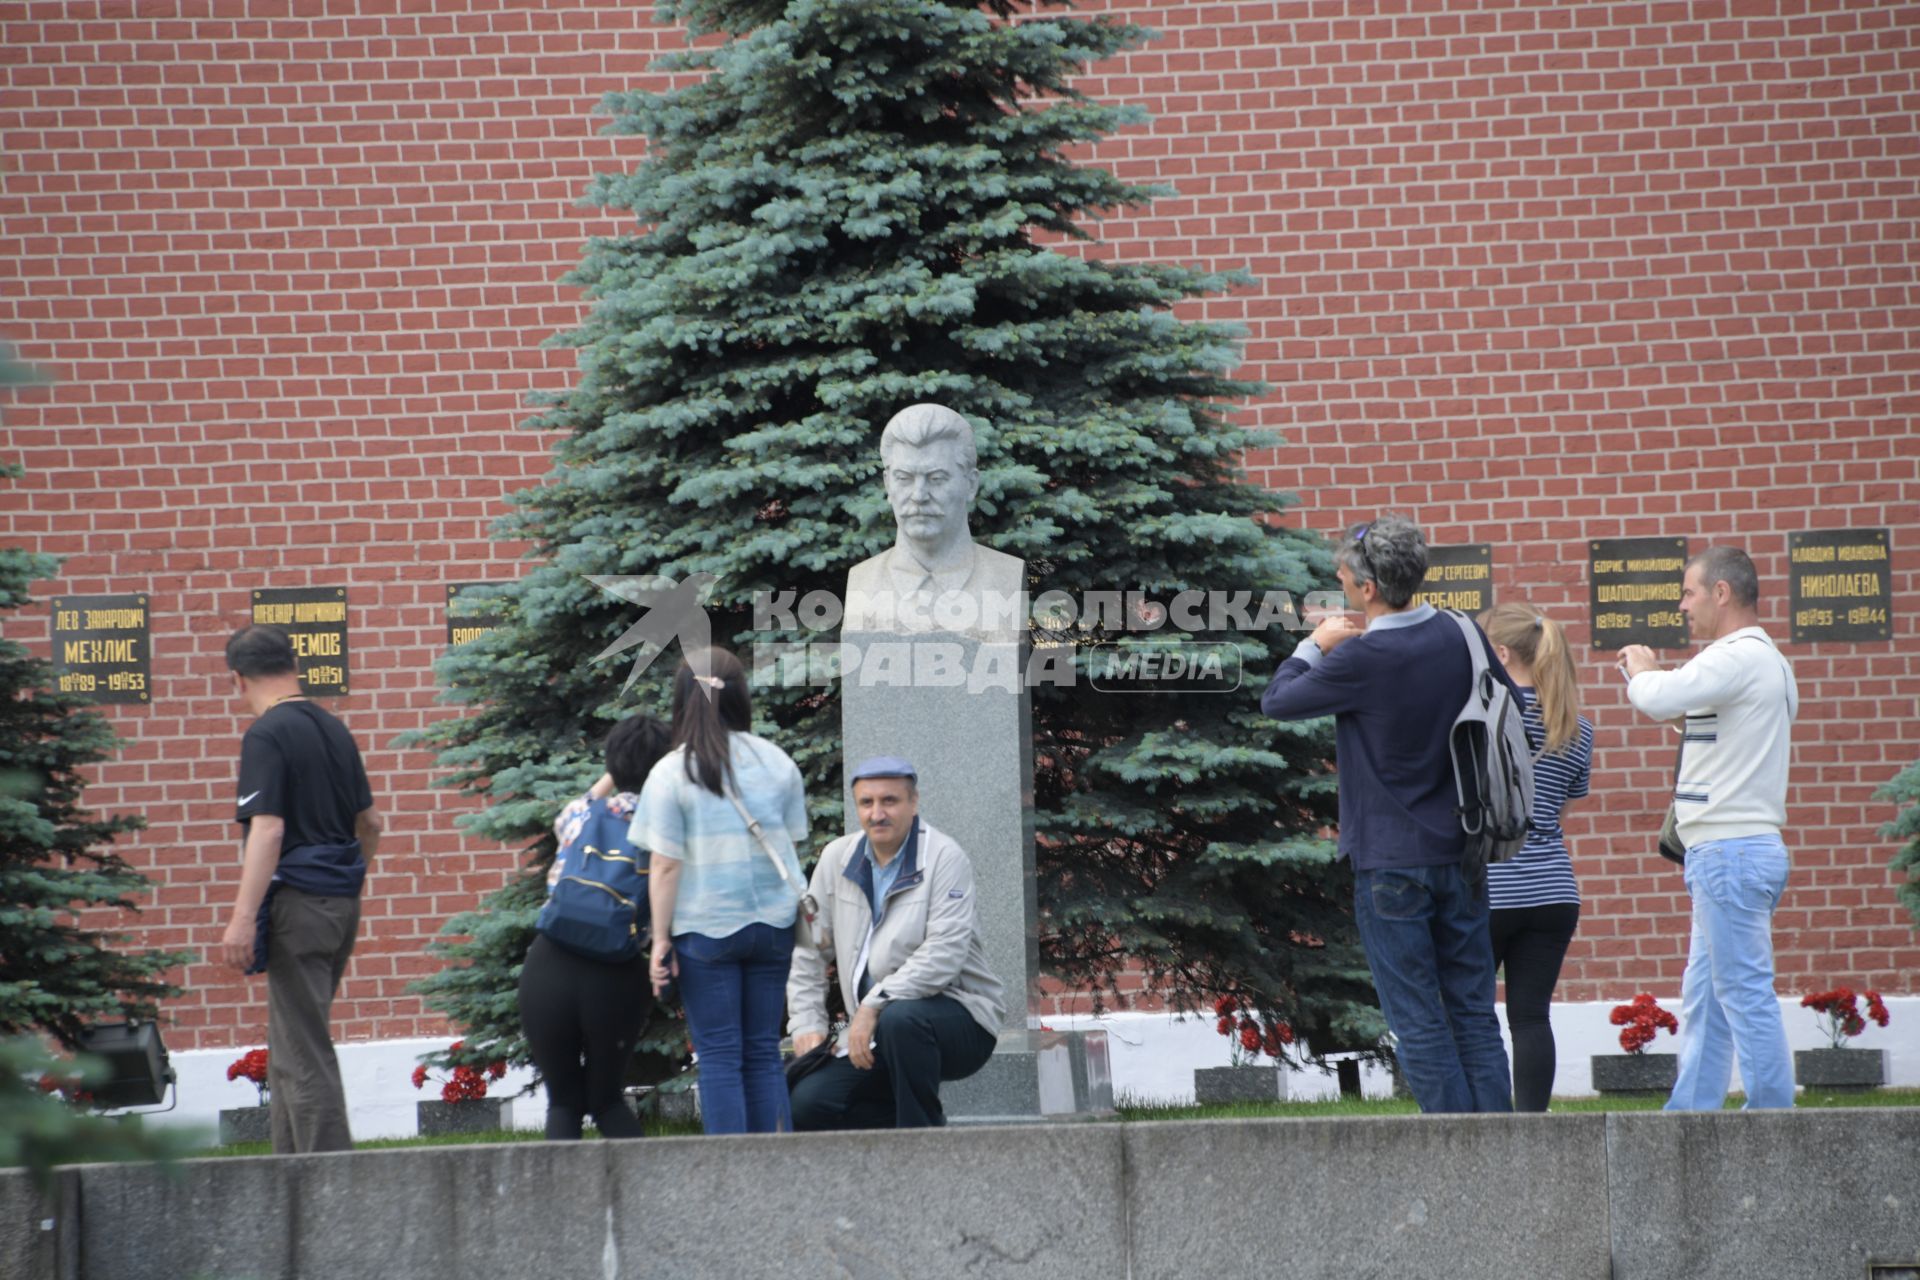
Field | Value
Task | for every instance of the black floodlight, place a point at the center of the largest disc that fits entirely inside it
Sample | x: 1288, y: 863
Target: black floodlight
x: 138, y: 1073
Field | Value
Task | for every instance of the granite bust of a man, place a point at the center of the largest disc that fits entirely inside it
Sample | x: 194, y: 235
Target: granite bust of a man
x: 935, y: 577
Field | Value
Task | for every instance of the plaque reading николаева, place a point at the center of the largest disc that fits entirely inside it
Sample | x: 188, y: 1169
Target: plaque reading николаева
x: 102, y: 648
x: 1635, y: 592
x: 315, y: 619
x: 1458, y: 578
x: 472, y: 611
x: 1840, y: 584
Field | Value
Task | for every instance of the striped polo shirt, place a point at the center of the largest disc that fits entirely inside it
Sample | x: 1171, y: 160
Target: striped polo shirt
x: 1541, y: 874
x: 727, y: 882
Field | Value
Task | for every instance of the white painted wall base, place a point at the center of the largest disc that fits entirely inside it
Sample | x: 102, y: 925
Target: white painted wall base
x: 377, y: 1076
x: 1153, y: 1055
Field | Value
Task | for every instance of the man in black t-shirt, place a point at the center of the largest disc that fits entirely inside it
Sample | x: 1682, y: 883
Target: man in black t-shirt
x: 311, y: 833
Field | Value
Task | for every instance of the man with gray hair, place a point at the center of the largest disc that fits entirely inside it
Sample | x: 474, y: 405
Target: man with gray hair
x: 935, y: 576
x: 1394, y: 688
x: 1737, y: 700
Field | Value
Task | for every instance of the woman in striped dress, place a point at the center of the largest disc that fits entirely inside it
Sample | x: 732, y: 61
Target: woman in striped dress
x: 1536, y: 901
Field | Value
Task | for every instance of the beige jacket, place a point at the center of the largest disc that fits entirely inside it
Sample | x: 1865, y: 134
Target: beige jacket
x: 927, y: 942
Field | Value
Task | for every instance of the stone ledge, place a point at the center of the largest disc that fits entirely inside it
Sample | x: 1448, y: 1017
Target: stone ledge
x: 1633, y: 1195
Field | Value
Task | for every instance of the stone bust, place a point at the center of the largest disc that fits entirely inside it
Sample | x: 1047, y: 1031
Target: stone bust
x: 935, y: 577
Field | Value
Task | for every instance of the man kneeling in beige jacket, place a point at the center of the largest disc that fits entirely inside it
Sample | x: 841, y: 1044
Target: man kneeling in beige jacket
x: 897, y: 912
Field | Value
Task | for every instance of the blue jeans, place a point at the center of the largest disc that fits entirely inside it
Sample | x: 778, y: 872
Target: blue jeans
x: 734, y: 990
x: 1727, y: 1001
x: 1425, y: 931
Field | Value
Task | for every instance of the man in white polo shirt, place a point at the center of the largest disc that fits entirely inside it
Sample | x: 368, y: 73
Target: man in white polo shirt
x: 1738, y: 699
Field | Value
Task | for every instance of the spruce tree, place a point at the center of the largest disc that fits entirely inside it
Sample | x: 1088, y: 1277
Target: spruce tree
x: 845, y: 207
x: 62, y: 965
x: 1904, y: 789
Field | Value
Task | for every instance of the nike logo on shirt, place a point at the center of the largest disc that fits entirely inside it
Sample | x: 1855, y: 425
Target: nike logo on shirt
x: 246, y: 800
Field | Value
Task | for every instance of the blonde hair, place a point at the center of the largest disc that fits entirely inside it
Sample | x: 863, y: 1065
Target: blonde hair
x: 1538, y: 641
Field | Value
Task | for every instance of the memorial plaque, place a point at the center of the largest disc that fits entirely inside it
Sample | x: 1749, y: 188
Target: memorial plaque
x: 102, y: 648
x: 1458, y: 578
x: 1840, y: 584
x: 1635, y: 585
x: 471, y: 613
x: 316, y: 620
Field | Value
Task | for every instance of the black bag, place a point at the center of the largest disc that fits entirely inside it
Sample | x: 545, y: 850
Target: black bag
x: 324, y: 870
x: 802, y: 1065
x: 1670, y: 845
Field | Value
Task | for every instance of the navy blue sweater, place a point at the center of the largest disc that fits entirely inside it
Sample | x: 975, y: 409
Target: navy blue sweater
x: 1393, y: 693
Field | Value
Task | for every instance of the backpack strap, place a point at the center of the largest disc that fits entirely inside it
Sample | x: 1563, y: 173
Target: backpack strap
x: 1480, y: 654
x: 760, y: 836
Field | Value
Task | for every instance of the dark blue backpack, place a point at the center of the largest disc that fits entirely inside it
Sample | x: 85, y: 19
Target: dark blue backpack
x: 598, y: 907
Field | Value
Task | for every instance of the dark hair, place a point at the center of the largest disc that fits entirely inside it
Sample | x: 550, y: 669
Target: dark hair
x: 703, y: 716
x: 260, y: 651
x: 633, y: 748
x: 1734, y: 567
x: 1390, y: 553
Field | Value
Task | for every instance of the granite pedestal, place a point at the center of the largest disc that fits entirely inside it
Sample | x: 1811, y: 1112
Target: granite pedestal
x: 957, y: 707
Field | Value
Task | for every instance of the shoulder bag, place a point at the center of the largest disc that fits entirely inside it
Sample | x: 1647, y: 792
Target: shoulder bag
x: 806, y: 923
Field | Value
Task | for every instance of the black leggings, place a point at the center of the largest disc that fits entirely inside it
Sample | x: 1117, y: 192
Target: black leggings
x: 1529, y: 943
x: 582, y: 1018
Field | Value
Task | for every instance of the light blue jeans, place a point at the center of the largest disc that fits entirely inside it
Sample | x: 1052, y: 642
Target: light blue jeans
x: 1727, y: 1003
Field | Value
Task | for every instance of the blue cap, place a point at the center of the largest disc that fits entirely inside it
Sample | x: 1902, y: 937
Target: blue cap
x: 883, y: 767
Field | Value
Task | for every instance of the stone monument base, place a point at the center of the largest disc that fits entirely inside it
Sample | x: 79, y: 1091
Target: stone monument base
x: 1035, y: 1076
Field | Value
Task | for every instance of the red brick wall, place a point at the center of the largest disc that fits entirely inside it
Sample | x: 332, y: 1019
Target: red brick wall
x: 1532, y: 273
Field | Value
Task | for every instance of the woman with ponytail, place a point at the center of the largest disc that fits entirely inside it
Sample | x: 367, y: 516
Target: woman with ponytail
x: 1536, y: 901
x: 723, y: 911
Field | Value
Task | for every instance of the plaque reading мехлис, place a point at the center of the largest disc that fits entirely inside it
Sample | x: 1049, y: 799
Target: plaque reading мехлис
x: 472, y: 612
x: 1458, y: 578
x: 1839, y: 584
x: 1635, y: 592
x: 102, y: 647
x: 315, y: 619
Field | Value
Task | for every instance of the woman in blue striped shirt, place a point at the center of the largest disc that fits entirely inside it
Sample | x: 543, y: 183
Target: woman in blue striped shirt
x: 1536, y: 902
x: 723, y: 904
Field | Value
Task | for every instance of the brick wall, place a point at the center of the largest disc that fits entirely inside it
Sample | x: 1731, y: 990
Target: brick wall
x: 1533, y: 273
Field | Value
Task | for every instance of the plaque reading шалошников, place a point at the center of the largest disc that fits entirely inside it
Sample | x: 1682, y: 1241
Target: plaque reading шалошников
x: 1635, y: 586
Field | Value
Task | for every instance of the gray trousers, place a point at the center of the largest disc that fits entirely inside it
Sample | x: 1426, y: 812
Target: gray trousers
x: 307, y: 951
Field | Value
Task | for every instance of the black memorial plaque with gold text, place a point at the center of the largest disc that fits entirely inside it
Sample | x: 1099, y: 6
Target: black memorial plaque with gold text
x: 316, y: 620
x: 471, y: 612
x: 1840, y: 584
x: 103, y: 648
x: 1458, y: 578
x: 1635, y: 591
